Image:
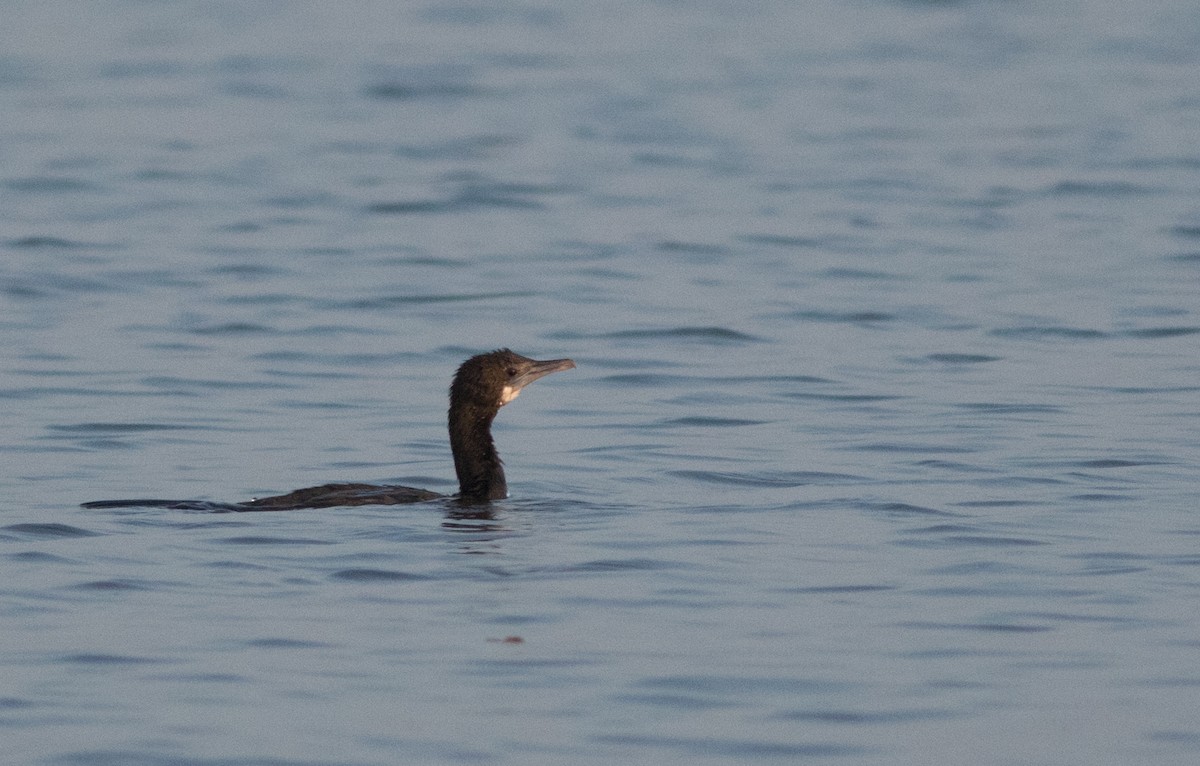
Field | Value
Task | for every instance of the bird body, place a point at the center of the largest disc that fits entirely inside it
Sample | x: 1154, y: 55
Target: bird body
x: 482, y: 385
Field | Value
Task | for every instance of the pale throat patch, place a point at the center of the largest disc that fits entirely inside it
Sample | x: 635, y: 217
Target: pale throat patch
x: 508, y: 394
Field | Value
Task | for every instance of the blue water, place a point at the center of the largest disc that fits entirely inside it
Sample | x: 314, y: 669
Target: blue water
x: 883, y: 445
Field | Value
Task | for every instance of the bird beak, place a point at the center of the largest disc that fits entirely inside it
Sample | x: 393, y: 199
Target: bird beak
x: 531, y: 373
x: 540, y: 370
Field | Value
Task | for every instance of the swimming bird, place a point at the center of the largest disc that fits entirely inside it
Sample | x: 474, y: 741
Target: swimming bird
x: 481, y: 386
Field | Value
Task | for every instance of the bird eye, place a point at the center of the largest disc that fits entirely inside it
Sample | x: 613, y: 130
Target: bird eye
x: 512, y: 371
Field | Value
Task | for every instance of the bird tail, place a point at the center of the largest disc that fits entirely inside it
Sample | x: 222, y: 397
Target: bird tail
x: 178, y: 505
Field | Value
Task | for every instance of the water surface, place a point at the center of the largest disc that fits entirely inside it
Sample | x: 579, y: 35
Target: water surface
x: 882, y: 447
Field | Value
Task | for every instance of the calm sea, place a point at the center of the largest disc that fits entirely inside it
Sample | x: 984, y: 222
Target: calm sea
x: 883, y: 446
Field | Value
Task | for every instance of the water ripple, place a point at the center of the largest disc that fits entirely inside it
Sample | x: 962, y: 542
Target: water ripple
x: 1161, y: 332
x: 904, y: 509
x: 49, y: 530
x: 860, y: 717
x: 982, y: 627
x: 712, y: 335
x: 784, y: 479
x: 49, y: 243
x: 1040, y: 332
x: 118, y: 428
x: 840, y: 589
x: 706, y: 422
x: 621, y: 565
x: 108, y: 586
x: 732, y: 748
x: 285, y: 643
x: 845, y: 317
x: 1185, y: 231
x: 1005, y: 408
x: 410, y: 90
x: 951, y: 358
x: 109, y: 659
x: 391, y: 301
x: 1099, y: 189
x: 264, y: 540
x: 50, y: 185
x: 375, y: 575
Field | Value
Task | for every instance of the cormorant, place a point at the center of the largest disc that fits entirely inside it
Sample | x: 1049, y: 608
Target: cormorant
x: 482, y: 385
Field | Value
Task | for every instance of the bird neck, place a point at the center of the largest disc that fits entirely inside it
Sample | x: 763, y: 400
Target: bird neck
x: 480, y: 472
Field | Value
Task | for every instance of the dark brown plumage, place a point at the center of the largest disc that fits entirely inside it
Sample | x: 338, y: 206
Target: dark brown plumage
x: 482, y: 385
